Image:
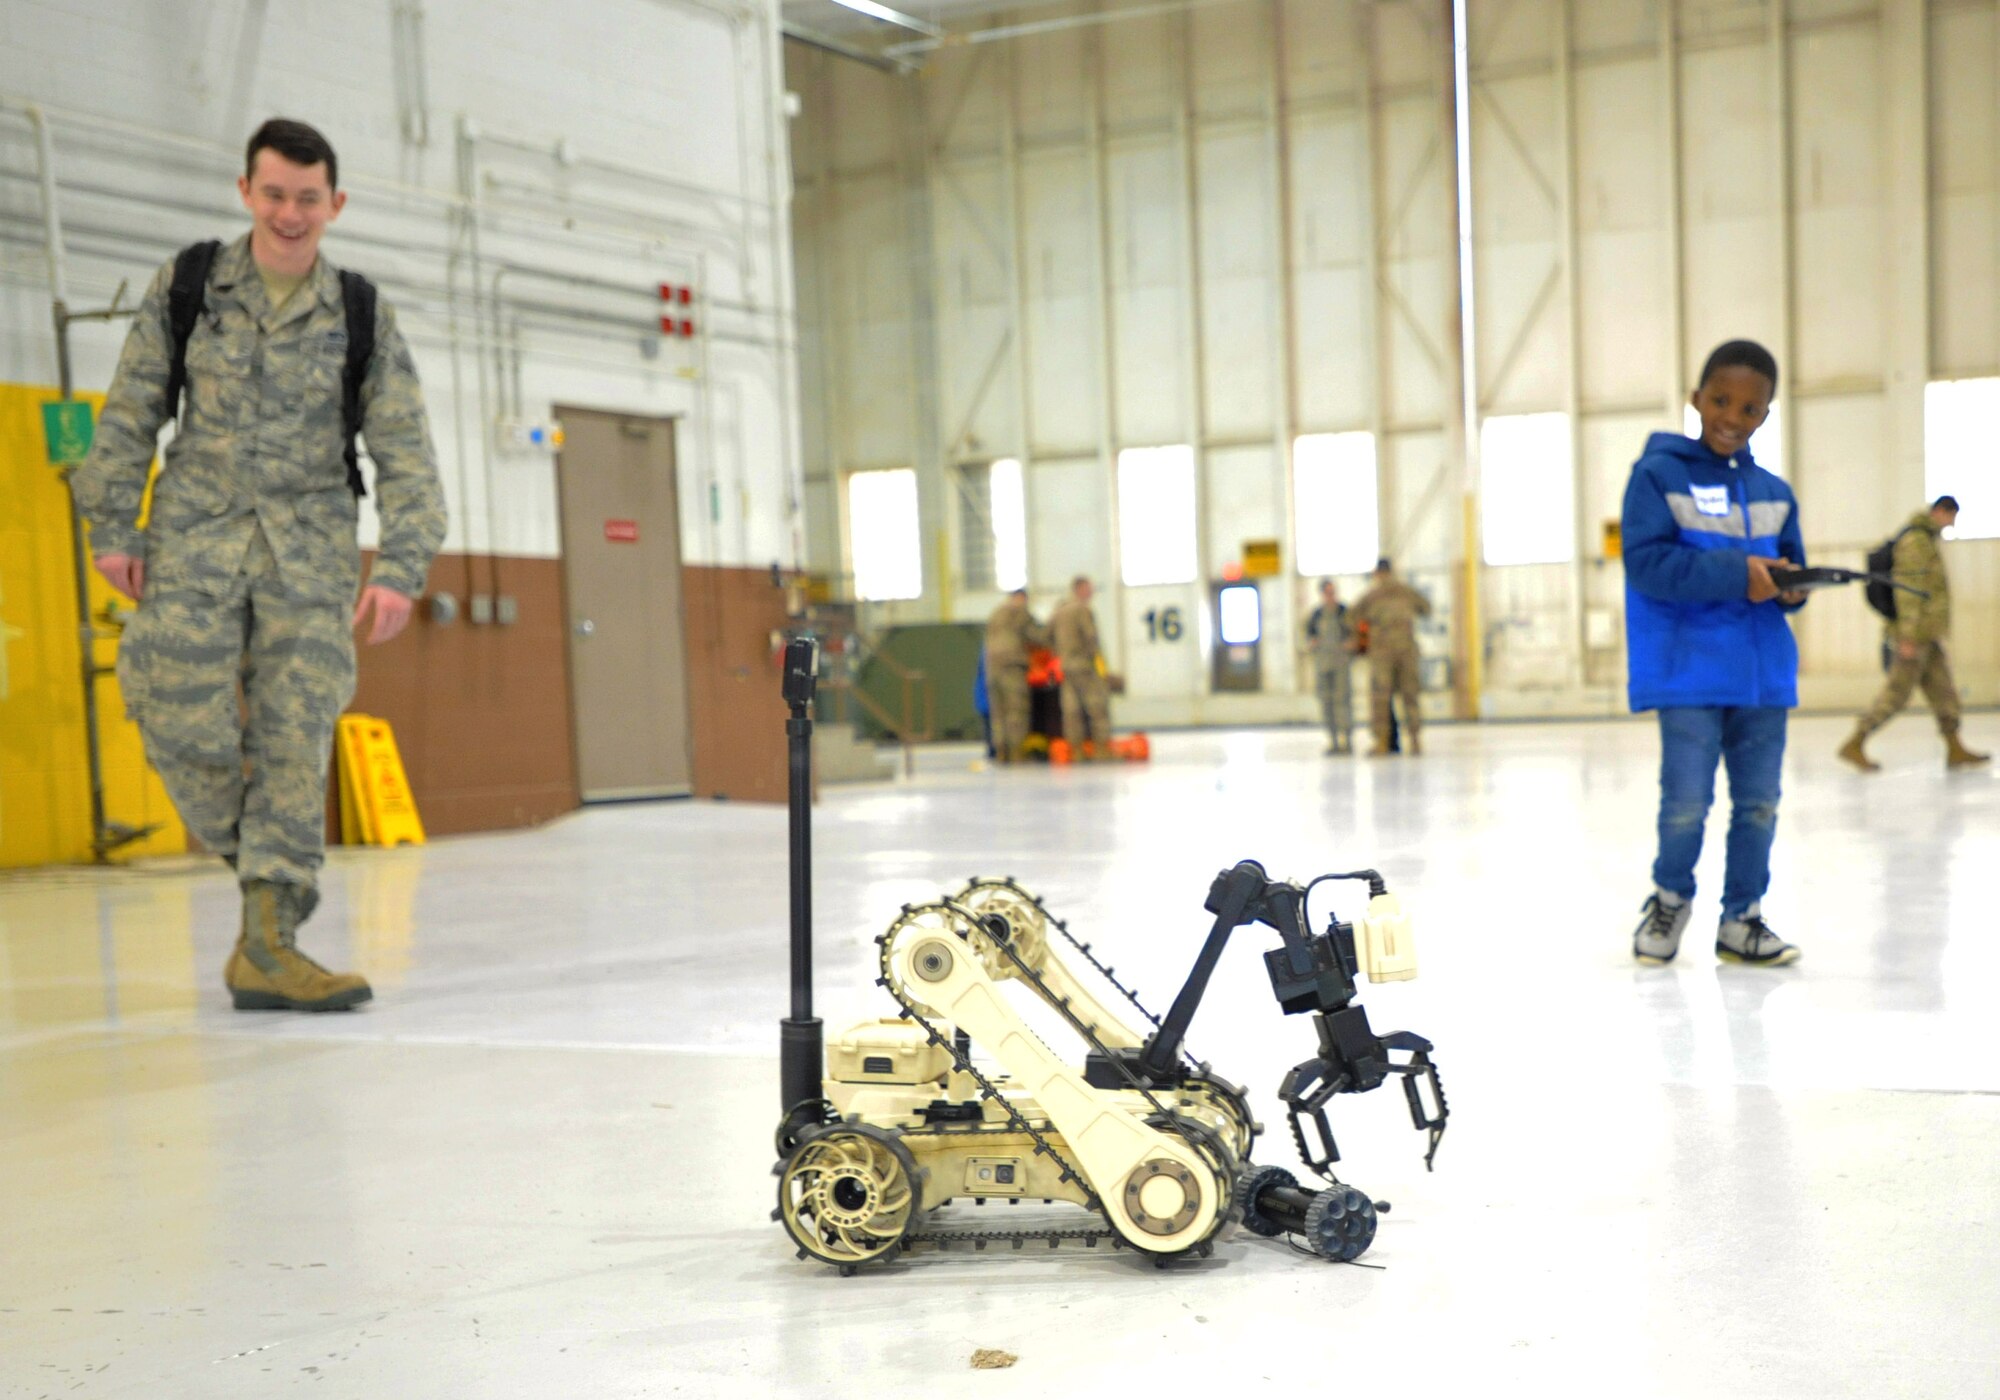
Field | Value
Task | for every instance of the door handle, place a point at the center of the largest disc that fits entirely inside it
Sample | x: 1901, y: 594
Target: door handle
x: 584, y: 627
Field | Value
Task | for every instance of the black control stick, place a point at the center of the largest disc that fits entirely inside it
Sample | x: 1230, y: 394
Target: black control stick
x: 799, y: 1034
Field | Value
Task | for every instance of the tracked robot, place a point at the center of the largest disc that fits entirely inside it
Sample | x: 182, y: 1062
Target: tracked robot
x: 894, y: 1120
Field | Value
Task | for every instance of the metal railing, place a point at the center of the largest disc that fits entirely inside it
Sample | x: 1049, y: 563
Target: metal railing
x: 912, y: 722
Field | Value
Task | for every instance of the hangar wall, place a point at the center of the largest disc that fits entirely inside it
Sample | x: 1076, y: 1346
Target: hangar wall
x: 1236, y: 224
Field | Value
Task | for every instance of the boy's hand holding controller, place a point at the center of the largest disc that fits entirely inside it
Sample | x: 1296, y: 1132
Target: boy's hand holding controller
x: 1761, y: 589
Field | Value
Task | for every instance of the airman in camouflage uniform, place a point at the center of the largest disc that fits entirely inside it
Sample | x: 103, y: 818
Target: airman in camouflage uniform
x: 1330, y: 640
x: 1391, y: 608
x: 1086, y: 695
x: 1915, y: 641
x: 1011, y: 633
x: 247, y: 568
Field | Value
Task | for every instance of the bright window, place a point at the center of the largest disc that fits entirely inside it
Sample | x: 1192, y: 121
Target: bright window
x: 882, y: 528
x: 1242, y: 617
x: 1010, y: 526
x: 1527, y: 490
x: 1333, y: 494
x: 1767, y: 444
x: 1156, y: 519
x: 1959, y: 460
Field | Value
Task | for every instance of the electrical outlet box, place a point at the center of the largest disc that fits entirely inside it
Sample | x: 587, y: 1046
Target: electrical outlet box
x: 480, y: 608
x: 530, y: 434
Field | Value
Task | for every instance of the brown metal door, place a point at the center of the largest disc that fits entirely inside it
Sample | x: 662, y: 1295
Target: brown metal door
x: 621, y: 535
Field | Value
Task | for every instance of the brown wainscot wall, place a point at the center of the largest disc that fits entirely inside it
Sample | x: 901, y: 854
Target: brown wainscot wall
x: 481, y: 711
x: 482, y: 714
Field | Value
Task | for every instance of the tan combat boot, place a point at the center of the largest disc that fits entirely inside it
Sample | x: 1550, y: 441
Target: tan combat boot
x: 1957, y: 755
x: 1852, y: 752
x: 267, y: 972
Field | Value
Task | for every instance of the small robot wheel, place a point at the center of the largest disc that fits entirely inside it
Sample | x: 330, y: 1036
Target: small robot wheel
x: 1251, y: 1183
x: 848, y: 1194
x: 1340, y: 1224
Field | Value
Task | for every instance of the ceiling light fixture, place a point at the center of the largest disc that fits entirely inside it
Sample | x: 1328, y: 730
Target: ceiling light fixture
x: 889, y: 16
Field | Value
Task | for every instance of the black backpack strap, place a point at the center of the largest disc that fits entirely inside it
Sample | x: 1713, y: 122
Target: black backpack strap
x: 186, y: 295
x: 357, y: 297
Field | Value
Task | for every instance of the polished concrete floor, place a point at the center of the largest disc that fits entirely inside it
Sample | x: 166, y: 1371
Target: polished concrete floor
x: 540, y: 1164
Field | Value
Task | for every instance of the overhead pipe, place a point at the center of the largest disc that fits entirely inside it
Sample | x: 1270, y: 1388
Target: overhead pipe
x: 1031, y: 28
x: 826, y: 43
x: 778, y: 192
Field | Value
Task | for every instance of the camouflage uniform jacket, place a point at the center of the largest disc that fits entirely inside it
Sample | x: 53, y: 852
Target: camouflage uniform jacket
x: 1329, y: 631
x: 1920, y: 564
x: 1011, y: 633
x: 260, y: 443
x: 1391, y: 611
x: 1074, y: 630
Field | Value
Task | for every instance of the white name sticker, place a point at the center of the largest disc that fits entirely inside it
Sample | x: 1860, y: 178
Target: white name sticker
x: 1711, y: 500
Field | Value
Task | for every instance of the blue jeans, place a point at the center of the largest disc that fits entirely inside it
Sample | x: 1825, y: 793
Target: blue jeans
x: 1751, y: 744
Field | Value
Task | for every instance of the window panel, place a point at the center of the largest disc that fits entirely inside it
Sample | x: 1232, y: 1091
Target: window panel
x: 1010, y: 526
x: 883, y: 534
x: 1156, y: 515
x: 1527, y: 490
x: 1959, y: 456
x: 1241, y: 619
x: 1335, y: 503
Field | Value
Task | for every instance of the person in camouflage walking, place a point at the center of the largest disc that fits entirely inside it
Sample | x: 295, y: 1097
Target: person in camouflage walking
x: 1915, y: 640
x: 1330, y: 640
x: 247, y: 570
x: 1390, y: 609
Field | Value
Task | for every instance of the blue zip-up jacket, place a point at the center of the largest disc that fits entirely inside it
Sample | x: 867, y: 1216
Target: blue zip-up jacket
x: 1692, y: 638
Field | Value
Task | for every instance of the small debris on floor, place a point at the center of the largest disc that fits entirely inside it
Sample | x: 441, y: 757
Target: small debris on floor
x: 989, y: 1359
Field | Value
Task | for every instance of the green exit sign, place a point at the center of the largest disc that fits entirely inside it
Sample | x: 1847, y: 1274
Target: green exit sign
x: 67, y: 428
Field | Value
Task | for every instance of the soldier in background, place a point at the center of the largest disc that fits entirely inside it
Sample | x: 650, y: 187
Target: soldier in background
x: 1330, y: 638
x: 1011, y: 633
x: 248, y: 569
x: 1086, y: 695
x: 1915, y: 641
x: 1390, y: 608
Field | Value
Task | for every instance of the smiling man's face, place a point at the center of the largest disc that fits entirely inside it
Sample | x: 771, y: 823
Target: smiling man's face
x: 290, y: 205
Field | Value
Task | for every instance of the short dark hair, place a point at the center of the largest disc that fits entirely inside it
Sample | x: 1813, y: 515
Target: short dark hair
x: 1383, y: 566
x: 296, y: 142
x: 1949, y: 503
x: 1746, y: 353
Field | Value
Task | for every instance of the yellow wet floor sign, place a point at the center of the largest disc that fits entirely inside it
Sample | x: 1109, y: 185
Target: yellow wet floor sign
x: 376, y: 806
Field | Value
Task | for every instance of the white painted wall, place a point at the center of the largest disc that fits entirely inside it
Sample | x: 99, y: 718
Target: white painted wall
x: 1234, y: 226
x: 674, y: 169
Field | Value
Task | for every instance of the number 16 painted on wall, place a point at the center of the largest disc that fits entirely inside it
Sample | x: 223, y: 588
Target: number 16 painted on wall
x: 1163, y: 624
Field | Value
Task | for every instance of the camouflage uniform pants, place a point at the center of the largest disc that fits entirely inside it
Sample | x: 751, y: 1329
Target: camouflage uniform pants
x: 1392, y: 671
x: 1086, y: 705
x: 1929, y: 668
x: 1008, y: 690
x: 247, y: 772
x: 1335, y: 685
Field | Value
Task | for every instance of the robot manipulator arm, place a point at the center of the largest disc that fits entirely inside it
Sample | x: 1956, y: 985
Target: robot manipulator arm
x: 1352, y: 1059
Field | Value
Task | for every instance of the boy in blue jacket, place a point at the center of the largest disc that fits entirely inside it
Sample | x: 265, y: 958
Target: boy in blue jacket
x: 1711, y: 650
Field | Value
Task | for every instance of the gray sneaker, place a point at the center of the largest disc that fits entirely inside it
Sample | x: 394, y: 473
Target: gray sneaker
x: 1658, y: 937
x: 1750, y: 940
